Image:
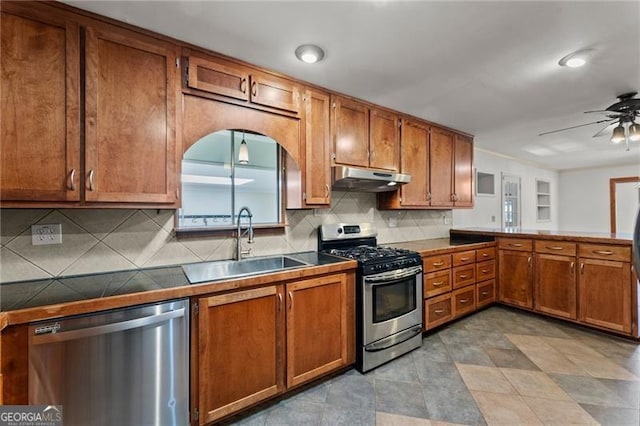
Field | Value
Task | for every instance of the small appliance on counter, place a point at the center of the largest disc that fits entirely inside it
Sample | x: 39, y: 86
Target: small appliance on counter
x: 388, y: 292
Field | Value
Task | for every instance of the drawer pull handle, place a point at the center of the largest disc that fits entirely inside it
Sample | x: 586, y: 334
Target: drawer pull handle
x: 462, y: 276
x: 485, y: 255
x: 485, y: 271
x: 279, y: 302
x: 438, y: 284
x: 515, y: 244
x: 484, y: 293
x: 555, y: 248
x: 464, y: 259
x: 438, y: 311
x: 72, y: 184
x: 91, y: 180
x: 603, y: 252
x: 464, y: 300
x: 254, y: 89
x: 438, y: 263
x: 243, y: 85
x: 326, y: 191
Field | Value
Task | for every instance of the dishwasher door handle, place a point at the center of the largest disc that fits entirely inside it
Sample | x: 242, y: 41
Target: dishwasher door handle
x: 107, y: 328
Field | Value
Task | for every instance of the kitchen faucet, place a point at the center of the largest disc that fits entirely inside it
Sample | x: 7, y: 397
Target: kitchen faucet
x: 239, y: 251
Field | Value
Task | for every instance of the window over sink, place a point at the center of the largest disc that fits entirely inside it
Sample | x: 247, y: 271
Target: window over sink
x: 217, y: 181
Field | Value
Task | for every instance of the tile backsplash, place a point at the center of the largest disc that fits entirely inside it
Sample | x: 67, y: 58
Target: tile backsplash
x: 102, y: 240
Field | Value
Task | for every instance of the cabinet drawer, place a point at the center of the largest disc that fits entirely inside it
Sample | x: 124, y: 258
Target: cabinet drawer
x: 485, y: 270
x: 485, y: 254
x: 485, y: 293
x: 437, y: 311
x: 464, y: 258
x: 605, y: 252
x: 515, y: 244
x: 436, y: 283
x: 437, y: 263
x: 464, y: 300
x: 464, y: 275
x: 555, y: 247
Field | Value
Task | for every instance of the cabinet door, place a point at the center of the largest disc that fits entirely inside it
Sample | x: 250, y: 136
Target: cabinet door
x: 131, y: 86
x: 316, y: 327
x: 350, y: 131
x: 240, y: 350
x: 415, y: 161
x: 441, y: 168
x: 605, y: 294
x: 220, y: 77
x: 318, y: 149
x: 555, y: 285
x: 463, y: 171
x: 384, y: 140
x: 40, y: 124
x: 275, y: 92
x: 515, y: 277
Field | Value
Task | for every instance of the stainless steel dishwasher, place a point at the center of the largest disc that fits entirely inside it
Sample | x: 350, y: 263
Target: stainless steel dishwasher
x: 121, y: 367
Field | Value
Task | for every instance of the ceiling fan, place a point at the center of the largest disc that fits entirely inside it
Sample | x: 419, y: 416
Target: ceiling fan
x: 621, y: 116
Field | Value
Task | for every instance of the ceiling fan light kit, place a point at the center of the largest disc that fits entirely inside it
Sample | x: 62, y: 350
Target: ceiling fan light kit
x: 634, y: 132
x: 618, y: 134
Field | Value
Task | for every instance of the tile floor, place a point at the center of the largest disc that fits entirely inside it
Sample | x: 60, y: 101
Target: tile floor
x: 498, y: 366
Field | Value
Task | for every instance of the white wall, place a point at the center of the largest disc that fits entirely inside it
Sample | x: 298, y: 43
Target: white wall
x: 488, y: 207
x: 584, y: 205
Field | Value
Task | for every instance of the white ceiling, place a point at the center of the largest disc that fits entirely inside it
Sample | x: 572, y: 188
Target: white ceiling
x: 486, y: 68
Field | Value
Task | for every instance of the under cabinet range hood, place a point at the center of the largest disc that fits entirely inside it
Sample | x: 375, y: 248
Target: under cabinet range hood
x: 347, y: 178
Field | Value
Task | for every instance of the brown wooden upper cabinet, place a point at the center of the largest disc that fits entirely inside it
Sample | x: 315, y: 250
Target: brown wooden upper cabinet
x: 234, y: 81
x: 131, y: 87
x: 317, y: 182
x: 451, y: 169
x: 130, y: 102
x: 363, y: 136
x: 440, y: 163
x: 40, y: 112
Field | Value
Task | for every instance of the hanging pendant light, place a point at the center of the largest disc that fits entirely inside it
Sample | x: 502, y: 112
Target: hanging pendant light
x: 618, y: 134
x: 243, y: 152
x: 634, y: 132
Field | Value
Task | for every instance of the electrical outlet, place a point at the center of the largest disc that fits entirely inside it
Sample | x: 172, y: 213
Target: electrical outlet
x: 393, y: 222
x: 446, y: 220
x: 46, y: 234
x: 493, y: 218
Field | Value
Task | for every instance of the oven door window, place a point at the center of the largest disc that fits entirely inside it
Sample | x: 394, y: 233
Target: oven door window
x: 394, y: 299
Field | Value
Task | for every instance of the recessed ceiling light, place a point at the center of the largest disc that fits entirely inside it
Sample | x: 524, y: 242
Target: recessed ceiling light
x: 576, y: 59
x: 309, y: 53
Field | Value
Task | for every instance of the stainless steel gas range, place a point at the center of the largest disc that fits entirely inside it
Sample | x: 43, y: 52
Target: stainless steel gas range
x: 388, y: 292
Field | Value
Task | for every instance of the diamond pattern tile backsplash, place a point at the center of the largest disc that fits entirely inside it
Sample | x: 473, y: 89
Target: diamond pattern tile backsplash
x: 103, y: 240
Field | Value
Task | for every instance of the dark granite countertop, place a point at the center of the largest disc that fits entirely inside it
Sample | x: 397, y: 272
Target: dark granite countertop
x: 37, y: 293
x: 586, y: 237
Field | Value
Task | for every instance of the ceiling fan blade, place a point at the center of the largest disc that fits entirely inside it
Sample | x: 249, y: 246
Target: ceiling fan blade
x: 606, y: 128
x: 575, y: 127
x: 604, y: 111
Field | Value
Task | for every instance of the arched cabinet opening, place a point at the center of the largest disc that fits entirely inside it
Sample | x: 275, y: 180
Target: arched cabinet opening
x: 230, y: 169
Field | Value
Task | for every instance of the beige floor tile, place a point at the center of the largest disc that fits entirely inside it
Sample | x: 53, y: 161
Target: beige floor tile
x: 553, y: 412
x: 550, y: 360
x: 501, y: 409
x: 535, y: 384
x: 602, y: 368
x: 387, y: 419
x: 523, y: 342
x: 481, y: 378
x: 571, y: 346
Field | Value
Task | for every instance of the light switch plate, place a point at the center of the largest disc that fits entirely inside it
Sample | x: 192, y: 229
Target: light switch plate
x: 46, y: 234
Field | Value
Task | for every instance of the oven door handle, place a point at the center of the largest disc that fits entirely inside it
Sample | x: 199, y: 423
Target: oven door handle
x: 393, y: 275
x: 396, y: 339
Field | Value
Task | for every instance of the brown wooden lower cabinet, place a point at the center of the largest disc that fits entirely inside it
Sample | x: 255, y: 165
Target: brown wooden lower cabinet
x: 240, y: 350
x: 485, y: 293
x: 437, y: 311
x: 257, y: 343
x: 464, y: 300
x: 316, y: 327
x: 555, y: 285
x: 605, y: 294
x: 516, y: 278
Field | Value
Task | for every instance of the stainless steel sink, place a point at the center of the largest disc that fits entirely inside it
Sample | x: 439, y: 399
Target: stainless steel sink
x: 226, y: 269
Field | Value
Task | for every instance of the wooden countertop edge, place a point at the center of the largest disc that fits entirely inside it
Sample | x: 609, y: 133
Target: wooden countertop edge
x: 60, y: 310
x: 555, y: 237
